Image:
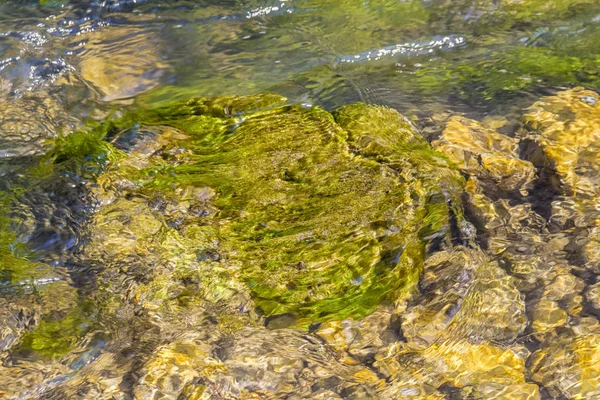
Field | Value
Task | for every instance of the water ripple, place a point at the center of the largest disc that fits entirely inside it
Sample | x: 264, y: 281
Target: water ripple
x: 409, y: 49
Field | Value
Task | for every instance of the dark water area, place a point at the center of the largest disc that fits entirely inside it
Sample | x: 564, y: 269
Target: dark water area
x: 191, y: 207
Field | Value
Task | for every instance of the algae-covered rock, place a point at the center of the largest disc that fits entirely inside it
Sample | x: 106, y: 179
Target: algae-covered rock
x: 320, y: 219
x: 37, y: 298
x: 486, y: 154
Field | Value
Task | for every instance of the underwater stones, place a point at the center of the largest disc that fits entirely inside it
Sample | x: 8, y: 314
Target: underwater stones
x: 410, y: 389
x: 592, y: 295
x: 547, y: 315
x: 121, y: 62
x: 21, y: 379
x: 29, y: 122
x: 364, y: 338
x: 486, y: 154
x: 466, y: 295
x: 173, y: 367
x: 503, y: 226
x: 568, y: 367
x: 38, y: 315
x: 519, y: 391
x: 465, y: 364
x: 124, y: 228
x: 455, y: 363
x: 15, y: 319
x: 322, y: 219
x: 280, y: 363
x: 563, y: 286
x: 591, y: 249
x: 564, y: 139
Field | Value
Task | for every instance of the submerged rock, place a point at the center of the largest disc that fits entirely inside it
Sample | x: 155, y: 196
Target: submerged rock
x: 485, y: 154
x: 466, y: 296
x: 221, y: 226
x: 455, y: 364
x: 29, y: 123
x: 569, y: 367
x: 362, y: 339
x: 564, y: 138
x: 320, y: 219
x: 217, y: 217
x: 121, y: 62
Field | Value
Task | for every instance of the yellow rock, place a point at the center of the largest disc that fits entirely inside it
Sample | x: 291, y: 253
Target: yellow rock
x: 548, y: 315
x: 565, y: 129
x: 360, y: 339
x: 471, y: 297
x: 521, y: 391
x: 486, y: 154
x: 410, y: 389
x: 174, y: 366
x: 466, y: 364
x: 459, y: 363
x: 569, y: 367
x: 593, y: 295
x: 121, y: 62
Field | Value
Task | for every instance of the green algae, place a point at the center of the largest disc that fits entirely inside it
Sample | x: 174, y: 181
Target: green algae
x: 324, y: 216
x: 505, y: 73
x: 56, y: 335
x: 504, y: 52
x: 38, y: 287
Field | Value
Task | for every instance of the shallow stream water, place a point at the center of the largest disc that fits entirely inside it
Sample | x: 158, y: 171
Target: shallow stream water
x: 148, y: 255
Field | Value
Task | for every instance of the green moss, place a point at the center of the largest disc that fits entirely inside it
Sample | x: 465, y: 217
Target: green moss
x: 505, y: 73
x: 323, y: 219
x: 56, y: 335
x: 37, y: 285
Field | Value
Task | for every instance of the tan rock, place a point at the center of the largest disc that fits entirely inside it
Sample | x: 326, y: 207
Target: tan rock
x: 486, y: 154
x: 569, y: 367
x: 521, y: 391
x: 547, y: 315
x: 460, y: 364
x: 361, y: 339
x: 466, y: 296
x: 465, y: 364
x: 410, y: 389
x: 174, y: 366
x: 29, y: 123
x: 592, y: 295
x: 121, y: 62
x: 564, y: 134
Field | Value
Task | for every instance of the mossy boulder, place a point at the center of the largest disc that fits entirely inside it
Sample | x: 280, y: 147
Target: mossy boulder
x: 320, y: 215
